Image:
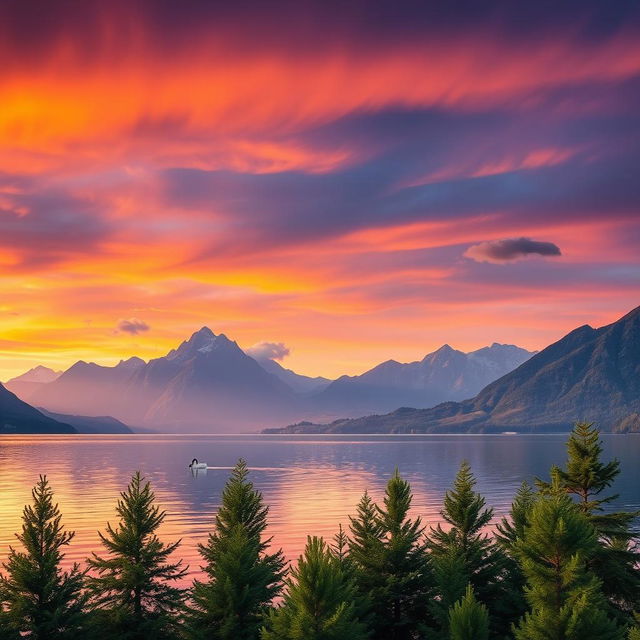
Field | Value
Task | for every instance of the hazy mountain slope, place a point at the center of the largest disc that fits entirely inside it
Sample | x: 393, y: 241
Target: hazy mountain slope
x: 17, y: 416
x: 298, y: 382
x: 590, y: 374
x: 25, y: 385
x: 89, y: 389
x: 91, y: 424
x: 208, y: 383
x: 445, y: 374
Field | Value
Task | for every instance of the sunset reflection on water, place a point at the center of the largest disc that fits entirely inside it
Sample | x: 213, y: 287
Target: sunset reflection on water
x: 310, y: 484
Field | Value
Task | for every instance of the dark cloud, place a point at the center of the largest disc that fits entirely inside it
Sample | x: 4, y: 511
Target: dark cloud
x: 268, y: 350
x: 33, y: 27
x: 132, y: 326
x: 511, y: 249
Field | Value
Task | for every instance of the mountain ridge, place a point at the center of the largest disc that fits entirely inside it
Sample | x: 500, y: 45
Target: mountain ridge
x: 589, y: 374
x: 209, y: 383
x: 16, y: 416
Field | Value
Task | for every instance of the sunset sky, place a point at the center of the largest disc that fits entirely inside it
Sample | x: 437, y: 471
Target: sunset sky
x: 356, y: 180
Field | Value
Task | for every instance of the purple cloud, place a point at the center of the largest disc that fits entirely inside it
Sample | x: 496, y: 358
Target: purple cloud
x: 268, y: 350
x: 132, y: 326
x: 511, y: 249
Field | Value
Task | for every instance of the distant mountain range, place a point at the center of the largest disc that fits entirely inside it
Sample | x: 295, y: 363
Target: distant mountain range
x: 299, y: 383
x: 209, y: 384
x: 445, y: 374
x: 28, y: 383
x: 590, y: 374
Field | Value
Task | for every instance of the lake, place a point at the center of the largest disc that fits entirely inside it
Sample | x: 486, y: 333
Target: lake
x: 312, y: 483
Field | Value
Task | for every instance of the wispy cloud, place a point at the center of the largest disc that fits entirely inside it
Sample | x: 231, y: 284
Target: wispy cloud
x: 268, y: 350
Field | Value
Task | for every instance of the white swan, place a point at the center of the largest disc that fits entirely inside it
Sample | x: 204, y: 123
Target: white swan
x: 197, y: 465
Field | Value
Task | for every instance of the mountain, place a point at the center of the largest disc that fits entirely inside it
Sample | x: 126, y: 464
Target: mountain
x: 207, y: 383
x: 297, y: 382
x: 445, y: 374
x: 25, y: 385
x: 16, y: 416
x: 88, y: 389
x: 590, y: 374
x: 89, y: 424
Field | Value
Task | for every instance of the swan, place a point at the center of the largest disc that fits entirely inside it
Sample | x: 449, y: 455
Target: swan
x: 197, y: 465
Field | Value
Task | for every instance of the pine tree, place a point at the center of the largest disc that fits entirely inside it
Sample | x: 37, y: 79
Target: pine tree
x: 468, y: 619
x: 509, y: 531
x: 392, y: 566
x: 634, y: 631
x: 586, y: 477
x: 451, y: 580
x: 242, y: 578
x: 340, y: 547
x: 41, y: 601
x: 564, y: 595
x: 133, y: 589
x: 482, y: 559
x: 319, y: 601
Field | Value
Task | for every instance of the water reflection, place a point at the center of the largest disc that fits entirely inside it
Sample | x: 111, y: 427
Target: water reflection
x: 311, y: 484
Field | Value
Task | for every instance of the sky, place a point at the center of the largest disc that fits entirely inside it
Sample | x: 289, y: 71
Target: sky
x: 346, y: 181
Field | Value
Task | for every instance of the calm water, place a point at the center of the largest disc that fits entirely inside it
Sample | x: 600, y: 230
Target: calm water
x: 311, y: 483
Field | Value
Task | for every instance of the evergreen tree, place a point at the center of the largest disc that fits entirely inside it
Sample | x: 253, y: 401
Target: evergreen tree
x: 482, y: 559
x: 586, y: 477
x: 319, y: 601
x: 7, y: 630
x: 451, y: 580
x: 133, y: 589
x: 564, y: 595
x: 509, y: 531
x: 340, y: 547
x: 634, y: 631
x: 392, y: 566
x: 468, y: 619
x: 242, y: 578
x: 39, y: 600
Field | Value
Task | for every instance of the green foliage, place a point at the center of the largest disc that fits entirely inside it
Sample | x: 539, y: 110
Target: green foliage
x: 242, y: 578
x: 586, y: 477
x: 39, y: 600
x: 481, y: 561
x: 133, y: 590
x: 468, y: 619
x: 508, y: 532
x: 564, y: 595
x: 634, y: 631
x: 392, y: 565
x: 319, y: 601
x: 451, y: 580
x: 510, y: 529
x: 340, y: 547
